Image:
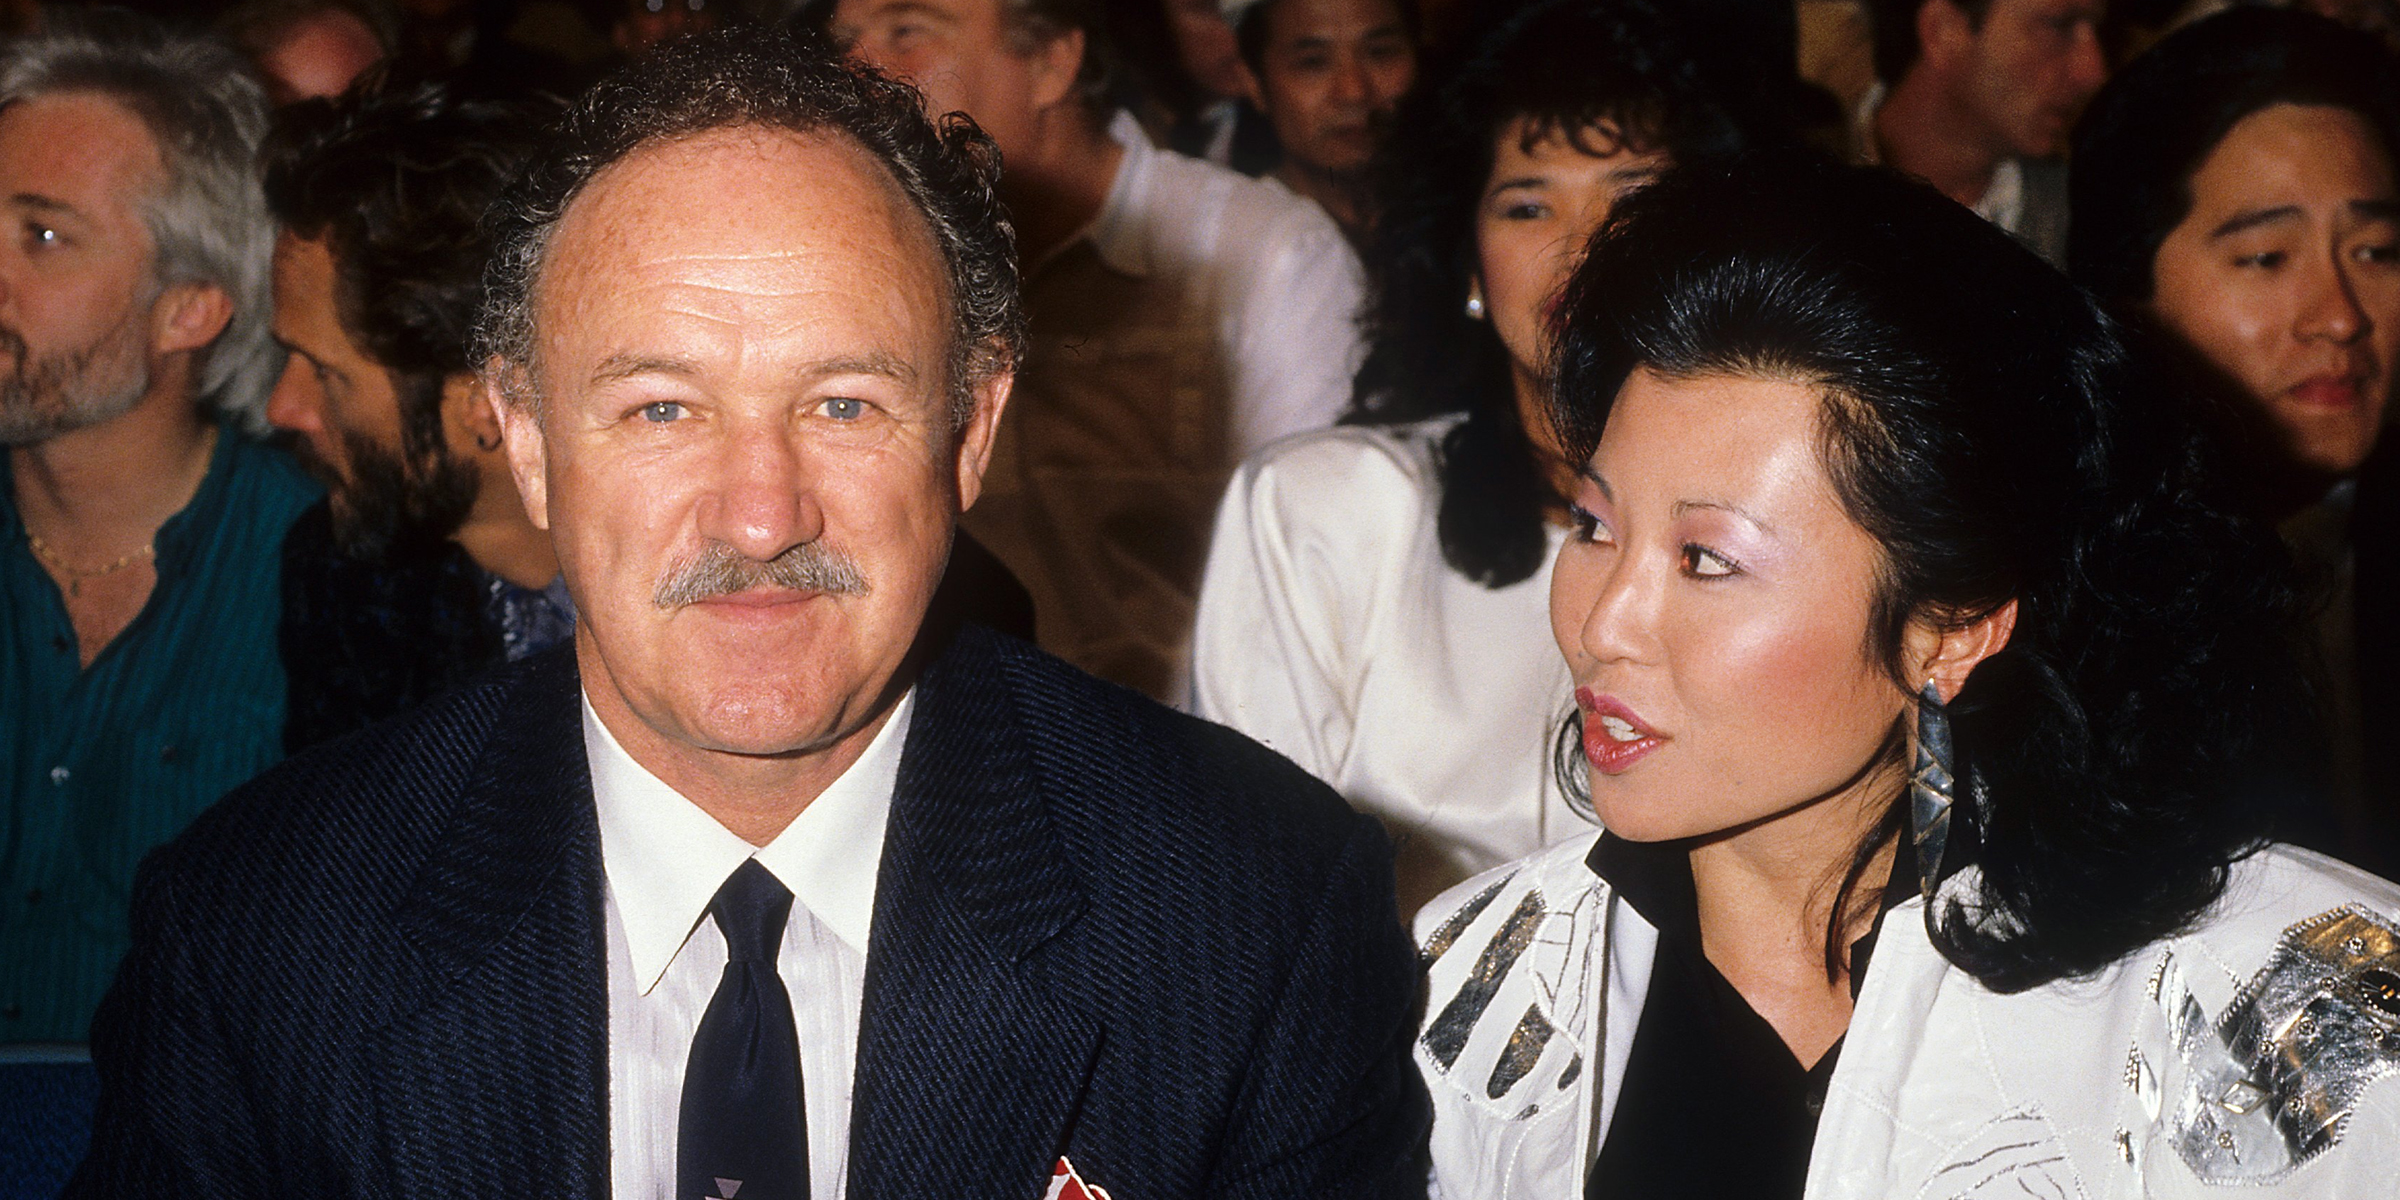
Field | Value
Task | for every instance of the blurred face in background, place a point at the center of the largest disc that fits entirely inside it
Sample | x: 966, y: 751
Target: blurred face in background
x: 645, y: 23
x: 318, y: 55
x: 1547, y: 193
x: 1330, y: 73
x: 963, y: 55
x: 2285, y: 276
x: 1205, y: 45
x: 1714, y: 607
x: 2027, y: 69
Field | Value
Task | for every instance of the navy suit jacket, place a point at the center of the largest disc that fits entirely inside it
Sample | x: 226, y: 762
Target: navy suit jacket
x: 1102, y: 930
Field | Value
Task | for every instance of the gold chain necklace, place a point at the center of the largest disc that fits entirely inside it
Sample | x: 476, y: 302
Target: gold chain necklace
x: 76, y: 575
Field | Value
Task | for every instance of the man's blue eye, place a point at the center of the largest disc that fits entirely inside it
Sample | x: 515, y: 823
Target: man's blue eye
x: 842, y: 408
x: 661, y: 411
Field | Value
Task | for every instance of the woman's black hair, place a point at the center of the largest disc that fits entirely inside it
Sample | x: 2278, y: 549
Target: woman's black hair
x: 2147, y: 133
x: 1990, y: 426
x: 1609, y: 72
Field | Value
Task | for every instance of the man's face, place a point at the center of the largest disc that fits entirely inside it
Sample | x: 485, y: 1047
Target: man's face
x: 959, y: 53
x: 76, y: 287
x: 1330, y: 74
x: 344, y: 412
x: 2030, y: 68
x: 744, y: 451
x: 2285, y: 276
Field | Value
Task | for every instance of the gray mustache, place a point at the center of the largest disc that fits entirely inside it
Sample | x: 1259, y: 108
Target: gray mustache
x: 721, y: 570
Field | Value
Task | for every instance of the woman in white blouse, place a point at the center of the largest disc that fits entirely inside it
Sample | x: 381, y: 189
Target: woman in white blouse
x: 1373, y: 601
x: 1930, y: 693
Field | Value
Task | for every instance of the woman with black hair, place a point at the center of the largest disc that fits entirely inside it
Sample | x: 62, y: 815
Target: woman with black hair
x: 2237, y: 188
x: 1903, y: 624
x: 1372, y: 602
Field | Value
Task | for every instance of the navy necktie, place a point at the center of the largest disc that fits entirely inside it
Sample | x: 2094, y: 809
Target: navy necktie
x: 741, y: 1135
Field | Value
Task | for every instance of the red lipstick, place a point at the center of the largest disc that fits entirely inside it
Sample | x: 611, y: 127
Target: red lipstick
x: 2327, y: 391
x: 1614, y: 736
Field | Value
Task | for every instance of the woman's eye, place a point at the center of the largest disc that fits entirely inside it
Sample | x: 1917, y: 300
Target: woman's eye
x: 659, y: 412
x: 1704, y: 563
x: 42, y: 236
x: 1525, y: 210
x: 2380, y: 254
x: 1587, y: 525
x: 843, y: 408
x: 2266, y: 260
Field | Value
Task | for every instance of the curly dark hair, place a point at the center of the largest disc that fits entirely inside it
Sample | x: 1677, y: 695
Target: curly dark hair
x: 395, y: 179
x: 777, y: 79
x: 2001, y: 442
x: 2147, y: 133
x: 1615, y: 73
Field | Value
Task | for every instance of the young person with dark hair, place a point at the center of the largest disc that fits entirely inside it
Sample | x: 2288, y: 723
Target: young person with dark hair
x: 2238, y: 189
x: 1373, y: 601
x: 1928, y: 697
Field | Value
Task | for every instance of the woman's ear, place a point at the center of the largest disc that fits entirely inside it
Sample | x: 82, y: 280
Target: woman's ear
x: 1945, y: 657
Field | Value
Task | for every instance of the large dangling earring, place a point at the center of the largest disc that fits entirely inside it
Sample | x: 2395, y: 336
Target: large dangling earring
x: 1474, y: 299
x: 1931, y: 789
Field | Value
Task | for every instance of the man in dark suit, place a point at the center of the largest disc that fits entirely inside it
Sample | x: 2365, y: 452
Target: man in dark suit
x: 769, y: 887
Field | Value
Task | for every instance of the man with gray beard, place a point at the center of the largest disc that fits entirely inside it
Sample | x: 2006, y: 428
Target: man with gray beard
x: 139, y: 524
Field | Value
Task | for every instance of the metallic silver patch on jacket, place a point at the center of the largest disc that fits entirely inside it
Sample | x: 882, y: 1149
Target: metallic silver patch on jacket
x: 1447, y: 933
x: 1524, y: 1049
x: 2270, y: 1085
x: 1447, y: 1035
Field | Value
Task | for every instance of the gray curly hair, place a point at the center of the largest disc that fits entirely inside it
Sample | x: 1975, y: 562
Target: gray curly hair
x: 209, y: 223
x: 736, y: 77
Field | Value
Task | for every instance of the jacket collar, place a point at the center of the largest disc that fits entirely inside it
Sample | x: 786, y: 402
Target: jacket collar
x: 504, y: 927
x: 972, y: 1053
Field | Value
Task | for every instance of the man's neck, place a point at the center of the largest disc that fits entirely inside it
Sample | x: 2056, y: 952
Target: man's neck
x: 1921, y: 130
x: 1343, y: 195
x: 1058, y: 185
x: 502, y: 540
x: 757, y: 796
x: 93, y: 494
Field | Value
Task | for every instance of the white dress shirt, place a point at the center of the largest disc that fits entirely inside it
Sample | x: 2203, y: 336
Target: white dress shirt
x: 1332, y: 629
x: 665, y: 859
x: 1285, y: 285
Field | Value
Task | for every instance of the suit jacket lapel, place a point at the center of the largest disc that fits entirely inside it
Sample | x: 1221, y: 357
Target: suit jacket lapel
x: 494, y: 1077
x: 972, y: 1053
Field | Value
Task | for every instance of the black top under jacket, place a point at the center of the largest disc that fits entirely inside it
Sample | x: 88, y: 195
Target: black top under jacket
x: 1713, y: 1102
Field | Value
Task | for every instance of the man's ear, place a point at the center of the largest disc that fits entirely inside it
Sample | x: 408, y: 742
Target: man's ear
x: 469, y: 423
x: 1056, y: 67
x: 975, y: 441
x: 188, y: 316
x: 520, y: 426
x: 1944, y: 33
x: 1945, y: 657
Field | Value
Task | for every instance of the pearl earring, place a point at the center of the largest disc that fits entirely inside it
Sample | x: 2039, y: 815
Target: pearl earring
x: 1475, y: 300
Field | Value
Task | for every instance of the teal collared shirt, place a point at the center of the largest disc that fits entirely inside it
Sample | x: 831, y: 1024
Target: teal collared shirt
x: 103, y: 763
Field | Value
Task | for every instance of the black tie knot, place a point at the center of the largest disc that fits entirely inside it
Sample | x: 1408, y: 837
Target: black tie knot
x: 750, y: 910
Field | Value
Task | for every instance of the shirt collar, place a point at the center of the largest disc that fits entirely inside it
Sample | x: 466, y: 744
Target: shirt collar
x: 665, y: 858
x: 1114, y: 232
